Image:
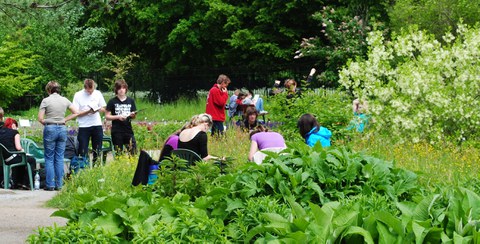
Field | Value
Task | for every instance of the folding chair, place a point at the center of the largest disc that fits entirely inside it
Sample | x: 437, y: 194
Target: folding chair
x: 7, y: 168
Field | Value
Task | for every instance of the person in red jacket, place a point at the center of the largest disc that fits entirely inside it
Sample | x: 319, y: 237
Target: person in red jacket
x: 216, y: 100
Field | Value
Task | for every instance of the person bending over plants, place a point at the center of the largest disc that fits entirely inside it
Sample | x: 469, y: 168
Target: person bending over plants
x: 264, y: 140
x: 312, y: 132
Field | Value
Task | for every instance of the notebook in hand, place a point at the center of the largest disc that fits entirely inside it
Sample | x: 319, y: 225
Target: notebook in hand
x: 94, y: 107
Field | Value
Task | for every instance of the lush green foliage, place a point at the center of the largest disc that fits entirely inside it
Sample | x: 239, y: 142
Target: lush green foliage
x: 68, y: 50
x: 301, y: 195
x: 342, y: 38
x: 331, y: 108
x: 435, y: 17
x: 420, y: 89
x: 16, y: 63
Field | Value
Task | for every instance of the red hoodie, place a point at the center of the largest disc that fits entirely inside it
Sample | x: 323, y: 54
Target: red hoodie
x: 216, y: 101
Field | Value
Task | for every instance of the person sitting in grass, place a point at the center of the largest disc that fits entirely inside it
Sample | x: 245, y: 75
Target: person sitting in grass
x: 254, y: 101
x: 360, y: 117
x: 264, y: 140
x: 250, y: 122
x: 10, y: 138
x: 146, y: 163
x: 312, y: 132
x: 195, y: 137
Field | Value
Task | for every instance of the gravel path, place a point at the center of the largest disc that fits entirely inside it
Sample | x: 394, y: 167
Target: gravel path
x: 22, y: 212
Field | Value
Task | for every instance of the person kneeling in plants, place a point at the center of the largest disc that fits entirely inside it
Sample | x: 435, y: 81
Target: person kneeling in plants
x: 312, y: 132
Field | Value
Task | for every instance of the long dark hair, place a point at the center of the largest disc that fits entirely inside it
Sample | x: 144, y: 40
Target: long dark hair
x: 306, y: 123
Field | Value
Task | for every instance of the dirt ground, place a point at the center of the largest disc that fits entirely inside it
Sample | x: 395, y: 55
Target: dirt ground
x: 22, y: 212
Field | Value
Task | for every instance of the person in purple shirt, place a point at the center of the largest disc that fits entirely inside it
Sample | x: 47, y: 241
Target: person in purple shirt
x: 263, y: 139
x: 170, y: 144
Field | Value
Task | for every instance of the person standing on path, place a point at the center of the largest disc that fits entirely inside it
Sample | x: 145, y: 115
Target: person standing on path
x: 52, y: 115
x: 216, y: 100
x: 90, y: 103
x: 121, y: 110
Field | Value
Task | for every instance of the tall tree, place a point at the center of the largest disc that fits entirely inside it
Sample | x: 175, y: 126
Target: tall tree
x: 177, y: 36
x: 15, y: 64
x: 341, y: 35
x: 434, y: 16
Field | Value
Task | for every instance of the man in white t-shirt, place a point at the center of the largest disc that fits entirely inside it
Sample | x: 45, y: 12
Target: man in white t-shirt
x: 90, y: 103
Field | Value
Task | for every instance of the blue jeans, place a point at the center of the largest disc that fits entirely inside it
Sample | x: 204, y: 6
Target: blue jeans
x: 54, y: 140
x: 259, y: 105
x: 84, y: 135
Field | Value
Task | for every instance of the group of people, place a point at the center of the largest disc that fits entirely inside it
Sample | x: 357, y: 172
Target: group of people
x: 86, y: 108
x: 193, y: 135
x: 88, y: 103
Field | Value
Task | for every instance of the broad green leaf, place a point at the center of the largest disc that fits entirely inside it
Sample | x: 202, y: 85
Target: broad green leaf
x: 253, y: 232
x: 233, y: 204
x: 87, y: 217
x: 422, y: 210
x: 355, y: 230
x: 391, y: 222
x: 323, y: 223
x: 385, y: 236
x: 110, y: 223
x: 419, y: 231
x: 68, y: 214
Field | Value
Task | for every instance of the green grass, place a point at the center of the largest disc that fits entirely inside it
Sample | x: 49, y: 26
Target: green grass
x: 440, y: 164
x: 181, y: 110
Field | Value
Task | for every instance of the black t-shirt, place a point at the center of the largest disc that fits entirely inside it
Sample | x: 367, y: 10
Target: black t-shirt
x: 198, y: 144
x: 117, y: 107
x: 7, y: 138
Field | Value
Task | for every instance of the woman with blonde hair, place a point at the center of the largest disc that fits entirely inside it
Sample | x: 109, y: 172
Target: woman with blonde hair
x: 194, y: 137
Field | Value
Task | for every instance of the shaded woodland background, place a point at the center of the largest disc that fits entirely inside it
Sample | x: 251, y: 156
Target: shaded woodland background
x: 173, y: 48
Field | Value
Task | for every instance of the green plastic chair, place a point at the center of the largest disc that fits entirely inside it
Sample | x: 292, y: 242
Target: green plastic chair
x: 30, y: 147
x: 107, y: 146
x: 7, y: 168
x: 188, y: 155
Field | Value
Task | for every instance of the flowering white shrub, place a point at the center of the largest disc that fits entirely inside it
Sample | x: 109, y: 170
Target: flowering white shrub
x: 419, y: 88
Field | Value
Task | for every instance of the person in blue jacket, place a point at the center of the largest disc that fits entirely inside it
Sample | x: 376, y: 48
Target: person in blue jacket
x: 312, y: 132
x: 360, y: 119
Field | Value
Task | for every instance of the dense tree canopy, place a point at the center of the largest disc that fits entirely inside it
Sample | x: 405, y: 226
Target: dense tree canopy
x: 183, y: 45
x: 434, y: 16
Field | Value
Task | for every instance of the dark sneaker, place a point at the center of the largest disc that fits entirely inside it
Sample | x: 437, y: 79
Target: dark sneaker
x: 49, y: 188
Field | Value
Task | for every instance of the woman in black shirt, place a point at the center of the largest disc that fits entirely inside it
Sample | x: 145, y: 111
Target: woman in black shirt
x: 195, y: 136
x: 10, y: 138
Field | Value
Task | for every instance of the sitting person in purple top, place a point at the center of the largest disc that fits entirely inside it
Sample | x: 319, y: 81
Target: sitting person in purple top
x: 170, y: 145
x: 263, y: 139
x: 145, y: 161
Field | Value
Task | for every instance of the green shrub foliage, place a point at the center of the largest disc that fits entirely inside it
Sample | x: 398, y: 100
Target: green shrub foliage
x: 419, y: 88
x: 301, y: 195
